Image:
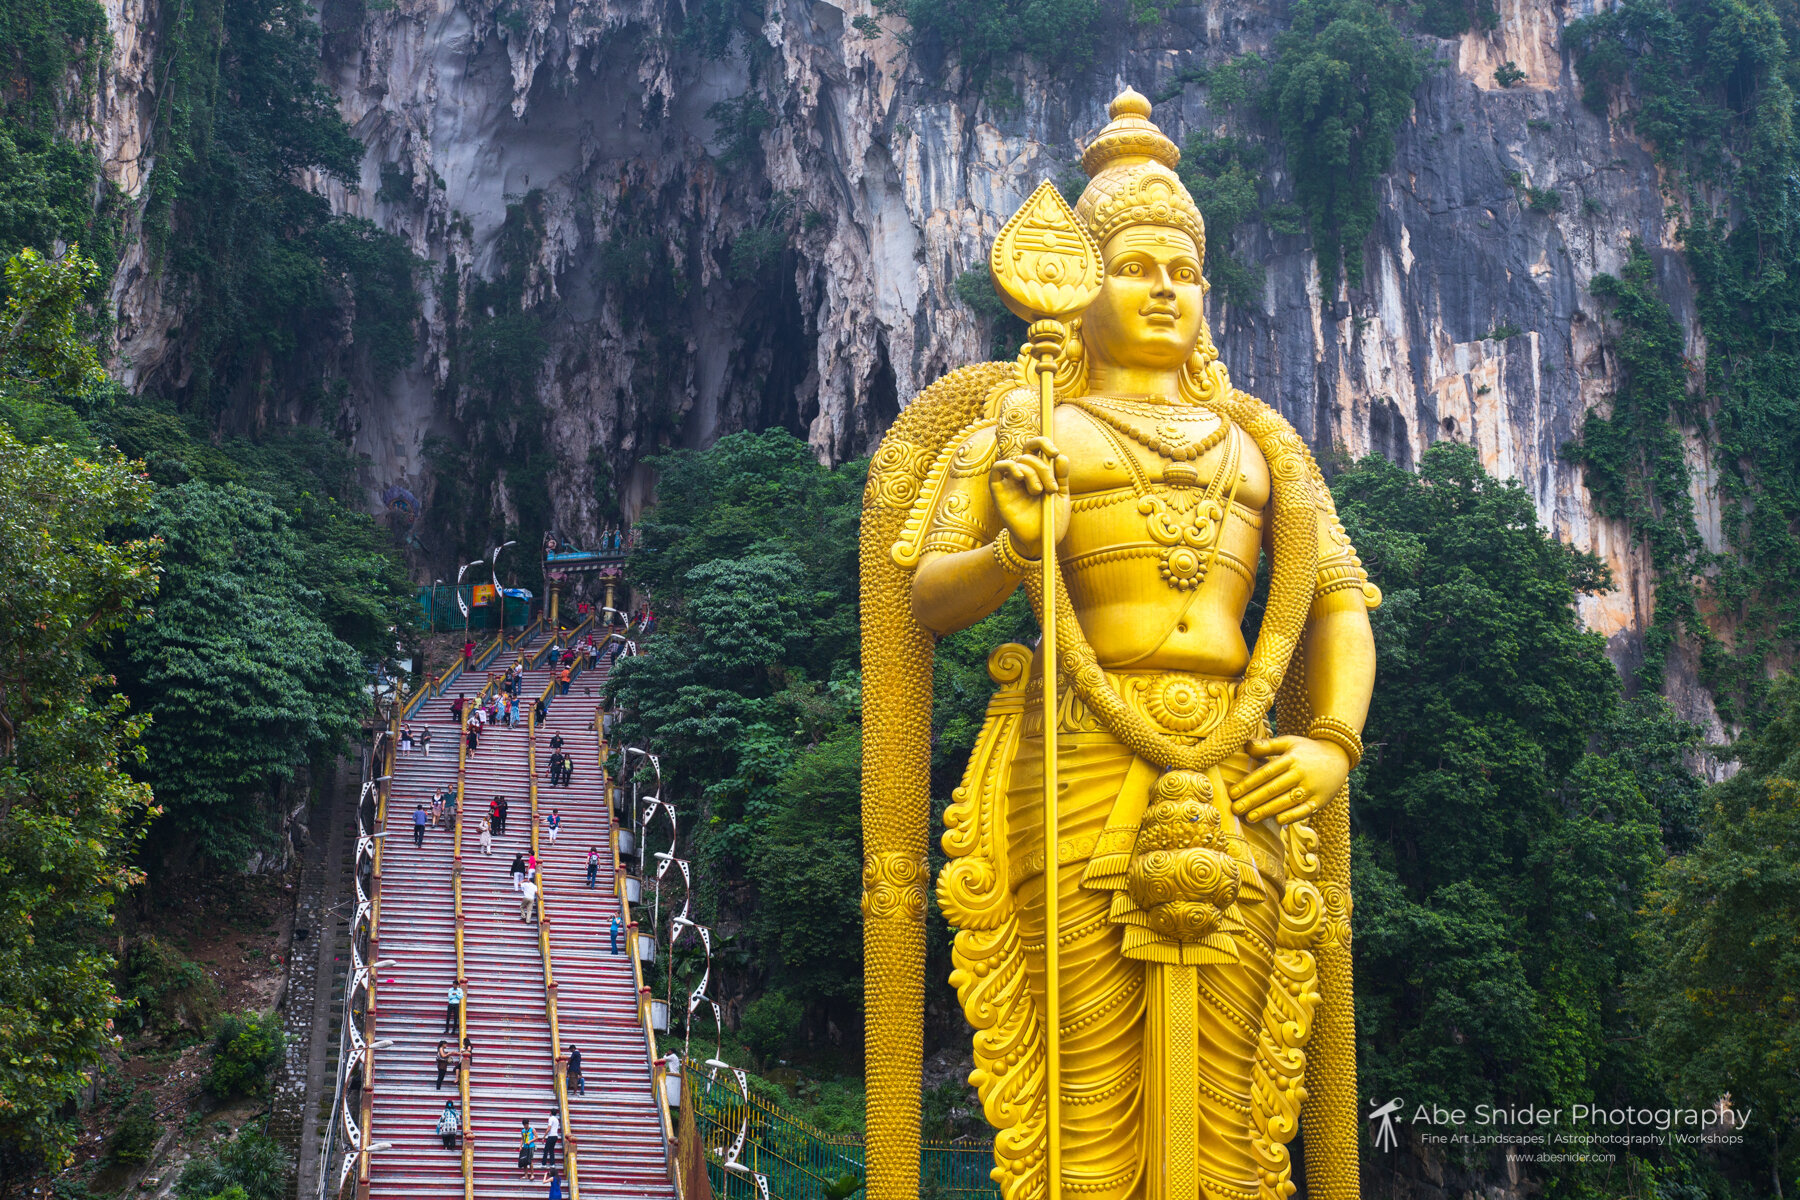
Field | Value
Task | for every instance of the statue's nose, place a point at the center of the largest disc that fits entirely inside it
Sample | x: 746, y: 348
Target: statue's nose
x: 1164, y: 285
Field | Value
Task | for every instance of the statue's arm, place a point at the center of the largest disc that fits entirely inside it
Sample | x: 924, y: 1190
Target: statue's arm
x: 1340, y: 657
x: 960, y: 578
x: 953, y: 591
x: 986, y: 529
x: 1304, y: 768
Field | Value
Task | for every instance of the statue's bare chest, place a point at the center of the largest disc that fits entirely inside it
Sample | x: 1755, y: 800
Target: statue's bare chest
x: 1150, y: 450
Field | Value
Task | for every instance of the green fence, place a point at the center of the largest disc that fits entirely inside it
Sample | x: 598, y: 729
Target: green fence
x: 438, y: 610
x: 801, y: 1163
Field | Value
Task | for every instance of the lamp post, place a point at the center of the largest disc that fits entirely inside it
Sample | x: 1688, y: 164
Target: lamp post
x: 494, y: 576
x: 435, y: 585
x: 459, y: 597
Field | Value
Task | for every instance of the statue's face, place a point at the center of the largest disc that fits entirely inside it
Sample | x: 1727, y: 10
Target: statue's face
x: 1148, y: 312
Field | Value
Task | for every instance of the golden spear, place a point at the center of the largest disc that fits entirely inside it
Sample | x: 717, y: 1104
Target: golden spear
x: 1047, y: 269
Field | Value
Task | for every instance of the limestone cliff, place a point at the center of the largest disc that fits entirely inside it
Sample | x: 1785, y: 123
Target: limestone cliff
x: 871, y: 177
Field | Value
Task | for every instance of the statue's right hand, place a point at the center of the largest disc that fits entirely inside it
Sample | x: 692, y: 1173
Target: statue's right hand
x: 1018, y: 485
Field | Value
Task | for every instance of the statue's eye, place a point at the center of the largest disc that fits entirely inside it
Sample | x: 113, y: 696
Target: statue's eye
x: 1187, y: 274
x: 1132, y: 269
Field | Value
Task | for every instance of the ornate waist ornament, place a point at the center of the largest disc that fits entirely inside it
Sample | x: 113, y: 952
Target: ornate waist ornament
x: 1156, y: 968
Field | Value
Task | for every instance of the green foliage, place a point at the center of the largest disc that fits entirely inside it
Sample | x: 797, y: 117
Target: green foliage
x: 41, y: 42
x: 1720, y: 992
x: 1006, y: 332
x: 68, y: 812
x: 1338, y: 89
x: 1062, y: 34
x: 1544, y: 200
x: 165, y: 990
x: 251, y: 1166
x: 497, y: 349
x: 47, y: 180
x: 1633, y: 461
x: 750, y: 692
x: 47, y: 369
x: 1508, y: 808
x: 756, y: 252
x: 265, y: 270
x: 1710, y: 84
x: 247, y: 680
x: 136, y: 1133
x: 741, y: 121
x: 768, y: 1022
x: 247, y: 1047
x: 1225, y: 174
x: 1508, y: 73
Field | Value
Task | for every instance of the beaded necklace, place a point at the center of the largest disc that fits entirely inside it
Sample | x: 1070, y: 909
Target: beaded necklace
x: 1169, y: 441
x: 1182, y: 519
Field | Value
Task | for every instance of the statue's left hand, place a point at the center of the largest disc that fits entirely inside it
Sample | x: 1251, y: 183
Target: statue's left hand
x: 1300, y: 775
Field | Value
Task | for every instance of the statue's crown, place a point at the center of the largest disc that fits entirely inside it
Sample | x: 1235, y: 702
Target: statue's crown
x: 1131, y: 166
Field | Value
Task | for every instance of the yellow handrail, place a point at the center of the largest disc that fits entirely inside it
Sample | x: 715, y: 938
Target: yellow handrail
x: 462, y: 1015
x: 558, y: 1068
x: 637, y: 968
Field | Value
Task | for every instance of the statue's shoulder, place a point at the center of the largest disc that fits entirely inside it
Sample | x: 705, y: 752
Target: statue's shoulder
x: 937, y: 417
x: 937, y: 433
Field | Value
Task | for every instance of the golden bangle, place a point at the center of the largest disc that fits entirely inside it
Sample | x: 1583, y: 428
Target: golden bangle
x: 1339, y: 733
x: 1010, y: 558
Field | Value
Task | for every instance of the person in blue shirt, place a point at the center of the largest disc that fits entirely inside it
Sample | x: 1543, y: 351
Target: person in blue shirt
x: 419, y: 819
x: 614, y: 931
x: 452, y: 1007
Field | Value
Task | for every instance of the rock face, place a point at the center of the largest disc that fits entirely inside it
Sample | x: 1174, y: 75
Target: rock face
x: 807, y: 234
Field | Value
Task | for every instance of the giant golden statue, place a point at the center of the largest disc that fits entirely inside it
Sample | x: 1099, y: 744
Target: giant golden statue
x: 1193, y: 1010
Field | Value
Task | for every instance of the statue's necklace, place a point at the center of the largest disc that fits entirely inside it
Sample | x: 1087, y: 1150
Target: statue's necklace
x: 1183, y: 519
x: 1169, y: 441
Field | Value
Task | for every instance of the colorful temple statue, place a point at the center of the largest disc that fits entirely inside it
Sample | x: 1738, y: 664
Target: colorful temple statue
x: 1199, y: 975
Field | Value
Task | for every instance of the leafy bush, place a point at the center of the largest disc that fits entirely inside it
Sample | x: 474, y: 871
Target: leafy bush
x: 1508, y: 73
x: 251, y: 1166
x: 247, y: 1047
x: 768, y: 1022
x: 165, y: 990
x: 136, y: 1134
x: 1339, y: 87
x: 1224, y: 174
x: 1061, y: 34
x: 1544, y: 200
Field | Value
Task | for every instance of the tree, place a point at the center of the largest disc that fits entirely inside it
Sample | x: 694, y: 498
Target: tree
x: 47, y: 367
x: 68, y: 814
x: 247, y: 681
x: 1720, y: 992
x: 1507, y: 812
x: 1339, y: 88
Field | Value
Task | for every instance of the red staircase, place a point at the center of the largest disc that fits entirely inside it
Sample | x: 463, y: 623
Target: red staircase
x: 619, y: 1139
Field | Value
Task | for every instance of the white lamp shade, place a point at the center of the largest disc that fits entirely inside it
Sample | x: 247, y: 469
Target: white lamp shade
x: 634, y: 889
x: 646, y: 948
x: 659, y: 1015
x: 672, y: 1087
x: 627, y: 842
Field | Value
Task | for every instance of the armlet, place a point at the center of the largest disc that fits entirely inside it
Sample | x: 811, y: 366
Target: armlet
x: 923, y: 531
